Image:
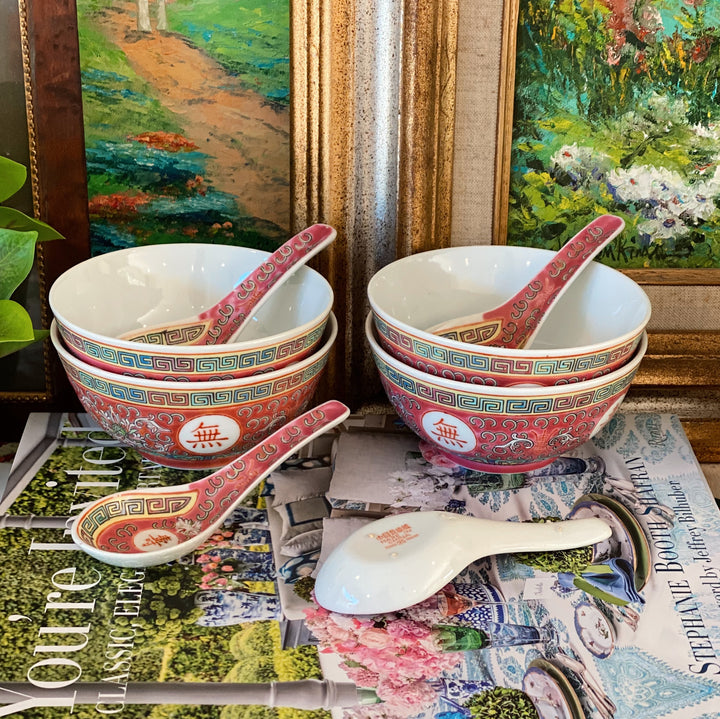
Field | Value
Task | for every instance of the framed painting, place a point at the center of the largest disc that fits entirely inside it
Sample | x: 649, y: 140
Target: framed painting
x: 385, y: 185
x: 186, y: 121
x: 116, y: 159
x: 610, y: 107
x: 613, y: 110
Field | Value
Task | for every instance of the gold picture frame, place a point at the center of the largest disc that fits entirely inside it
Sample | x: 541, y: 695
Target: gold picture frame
x: 681, y: 370
x: 385, y: 185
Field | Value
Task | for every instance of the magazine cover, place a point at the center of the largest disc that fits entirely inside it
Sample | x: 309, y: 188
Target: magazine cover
x: 628, y: 628
x: 81, y: 638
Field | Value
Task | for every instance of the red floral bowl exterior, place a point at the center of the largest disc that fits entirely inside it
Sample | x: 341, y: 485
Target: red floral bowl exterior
x: 195, y: 425
x: 207, y: 364
x: 475, y: 364
x: 501, y: 429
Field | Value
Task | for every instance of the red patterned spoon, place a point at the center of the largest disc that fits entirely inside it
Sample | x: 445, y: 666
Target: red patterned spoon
x: 515, y: 323
x: 221, y: 322
x: 144, y: 527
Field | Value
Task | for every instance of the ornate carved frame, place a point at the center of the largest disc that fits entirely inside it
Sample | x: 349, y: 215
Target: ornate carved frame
x: 56, y: 169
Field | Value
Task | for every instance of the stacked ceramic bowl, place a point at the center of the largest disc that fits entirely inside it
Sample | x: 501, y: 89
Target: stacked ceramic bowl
x: 497, y: 409
x: 189, y: 406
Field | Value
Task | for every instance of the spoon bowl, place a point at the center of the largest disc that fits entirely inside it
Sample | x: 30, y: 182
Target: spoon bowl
x: 402, y: 559
x: 145, y: 527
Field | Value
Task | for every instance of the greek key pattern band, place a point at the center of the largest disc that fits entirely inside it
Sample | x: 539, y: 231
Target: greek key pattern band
x: 468, y: 402
x: 178, y: 397
x: 219, y: 362
x: 133, y: 507
x: 392, y: 338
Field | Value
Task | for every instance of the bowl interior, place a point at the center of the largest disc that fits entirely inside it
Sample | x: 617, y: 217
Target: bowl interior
x: 427, y: 288
x: 139, y: 287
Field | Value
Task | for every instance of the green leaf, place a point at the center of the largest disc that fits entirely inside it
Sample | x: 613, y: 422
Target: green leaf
x: 18, y: 235
x: 16, y: 330
x: 15, y: 322
x: 8, y: 348
x: 12, y: 177
x: 11, y: 219
x: 17, y: 253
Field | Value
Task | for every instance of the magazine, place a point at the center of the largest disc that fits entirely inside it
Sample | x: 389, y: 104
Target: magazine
x: 629, y: 628
x: 81, y: 638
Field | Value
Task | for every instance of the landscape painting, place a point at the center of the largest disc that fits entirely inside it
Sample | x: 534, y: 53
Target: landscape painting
x: 616, y: 109
x: 185, y: 106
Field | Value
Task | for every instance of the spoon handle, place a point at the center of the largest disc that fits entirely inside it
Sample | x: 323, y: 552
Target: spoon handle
x: 515, y: 323
x: 229, y: 315
x: 535, y: 536
x: 236, y: 479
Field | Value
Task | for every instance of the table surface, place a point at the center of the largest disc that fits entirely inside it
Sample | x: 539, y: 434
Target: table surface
x: 712, y: 474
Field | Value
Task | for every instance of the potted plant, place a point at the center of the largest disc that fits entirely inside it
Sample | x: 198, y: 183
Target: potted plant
x: 18, y: 236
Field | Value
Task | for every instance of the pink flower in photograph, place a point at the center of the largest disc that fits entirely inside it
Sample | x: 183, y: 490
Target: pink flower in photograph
x: 375, y: 638
x: 408, y: 629
x: 362, y: 676
x: 393, y: 654
x: 433, y: 456
x: 405, y: 694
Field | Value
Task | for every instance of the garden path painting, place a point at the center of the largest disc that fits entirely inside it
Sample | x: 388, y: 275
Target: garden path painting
x: 617, y: 110
x: 185, y: 106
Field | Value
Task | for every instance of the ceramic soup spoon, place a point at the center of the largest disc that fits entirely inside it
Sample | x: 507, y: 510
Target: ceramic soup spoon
x: 223, y: 321
x: 144, y: 527
x: 402, y: 559
x: 515, y: 323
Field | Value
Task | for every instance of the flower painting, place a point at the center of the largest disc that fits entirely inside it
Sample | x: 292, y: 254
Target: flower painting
x: 616, y: 110
x: 185, y: 107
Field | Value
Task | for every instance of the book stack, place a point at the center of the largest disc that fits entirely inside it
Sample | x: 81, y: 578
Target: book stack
x: 627, y: 628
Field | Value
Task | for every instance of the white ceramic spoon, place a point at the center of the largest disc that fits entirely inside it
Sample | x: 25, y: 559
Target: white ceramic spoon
x: 145, y: 527
x: 402, y: 559
x: 224, y: 320
x: 515, y: 323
